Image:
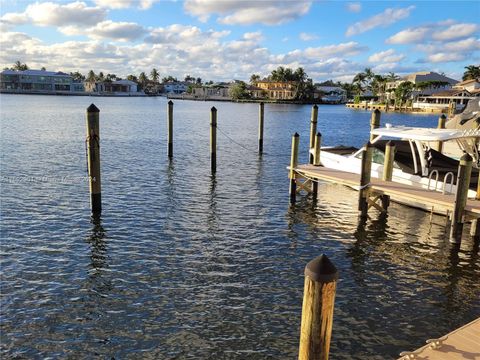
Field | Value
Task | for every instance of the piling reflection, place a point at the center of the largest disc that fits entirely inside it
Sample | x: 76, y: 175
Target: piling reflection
x: 98, y: 255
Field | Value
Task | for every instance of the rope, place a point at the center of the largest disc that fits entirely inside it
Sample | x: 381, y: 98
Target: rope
x: 235, y: 142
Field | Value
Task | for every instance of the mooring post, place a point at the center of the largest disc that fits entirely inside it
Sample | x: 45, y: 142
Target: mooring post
x: 316, y: 161
x: 170, y: 129
x: 293, y: 165
x: 388, y: 161
x: 461, y: 195
x: 313, y: 131
x: 441, y: 125
x: 317, y: 309
x: 261, y: 114
x: 213, y: 138
x: 367, y: 154
x: 374, y: 123
x: 93, y: 155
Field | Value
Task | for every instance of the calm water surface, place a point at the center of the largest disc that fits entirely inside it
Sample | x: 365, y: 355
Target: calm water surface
x: 186, y: 265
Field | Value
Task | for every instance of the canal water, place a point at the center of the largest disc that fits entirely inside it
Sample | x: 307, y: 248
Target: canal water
x: 186, y: 265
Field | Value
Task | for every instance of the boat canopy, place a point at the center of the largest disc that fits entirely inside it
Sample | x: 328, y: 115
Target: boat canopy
x: 424, y: 134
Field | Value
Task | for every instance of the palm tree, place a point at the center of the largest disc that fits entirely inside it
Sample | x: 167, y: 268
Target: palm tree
x: 142, y: 79
x: 19, y: 66
x: 391, y: 76
x: 254, y: 78
x: 154, y: 75
x: 359, y: 81
x: 91, y: 77
x: 471, y: 72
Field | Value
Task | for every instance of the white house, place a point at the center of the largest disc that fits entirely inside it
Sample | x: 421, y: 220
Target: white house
x: 176, y: 87
x: 331, y: 94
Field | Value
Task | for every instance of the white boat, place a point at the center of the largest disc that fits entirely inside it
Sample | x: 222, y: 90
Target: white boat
x: 416, y: 162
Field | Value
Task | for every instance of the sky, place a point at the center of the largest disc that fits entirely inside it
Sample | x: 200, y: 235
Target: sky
x: 233, y: 39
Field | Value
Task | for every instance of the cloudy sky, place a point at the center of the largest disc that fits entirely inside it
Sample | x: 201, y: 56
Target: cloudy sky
x: 231, y: 39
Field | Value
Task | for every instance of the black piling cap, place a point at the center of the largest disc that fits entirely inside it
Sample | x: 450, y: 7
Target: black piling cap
x: 376, y: 111
x: 93, y: 109
x: 318, y: 133
x: 214, y: 108
x: 321, y: 270
x: 315, y: 106
x: 170, y: 102
x: 368, y: 144
x: 296, y: 135
x: 443, y: 116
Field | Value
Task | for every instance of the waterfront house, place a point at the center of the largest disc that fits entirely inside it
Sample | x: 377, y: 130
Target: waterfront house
x: 330, y: 94
x: 38, y: 81
x: 214, y: 91
x: 176, y: 87
x: 118, y: 87
x: 472, y: 86
x: 444, y: 100
x: 278, y: 90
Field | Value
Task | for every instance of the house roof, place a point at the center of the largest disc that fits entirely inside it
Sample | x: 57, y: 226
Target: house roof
x: 428, y: 76
x: 34, y: 72
x: 452, y: 92
x: 467, y: 82
x: 330, y: 88
x: 124, y: 82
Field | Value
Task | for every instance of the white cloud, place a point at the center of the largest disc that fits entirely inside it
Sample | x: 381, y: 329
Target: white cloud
x: 344, y: 49
x: 238, y: 12
x: 124, y: 4
x: 52, y: 14
x: 307, y: 37
x: 354, y: 7
x: 445, y: 57
x: 409, y: 36
x: 123, y: 31
x: 388, y: 17
x: 387, y: 56
x: 455, y: 31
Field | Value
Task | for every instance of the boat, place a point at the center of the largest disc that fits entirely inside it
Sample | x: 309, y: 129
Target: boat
x: 417, y: 162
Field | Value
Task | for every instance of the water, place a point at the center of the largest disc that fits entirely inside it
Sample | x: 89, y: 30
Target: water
x: 183, y: 264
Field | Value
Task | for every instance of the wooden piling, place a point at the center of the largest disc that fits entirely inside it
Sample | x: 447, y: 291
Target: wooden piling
x: 293, y: 165
x: 213, y: 138
x: 313, y: 131
x: 93, y: 155
x: 261, y: 113
x: 367, y: 154
x: 317, y: 309
x: 441, y: 125
x: 316, y: 161
x: 170, y: 129
x: 374, y: 122
x: 463, y: 182
x: 388, y: 161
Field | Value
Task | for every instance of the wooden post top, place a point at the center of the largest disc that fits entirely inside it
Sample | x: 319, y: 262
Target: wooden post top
x: 321, y: 270
x: 296, y: 135
x: 170, y: 102
x: 376, y: 111
x: 466, y: 158
x: 93, y: 109
x: 315, y: 106
x: 318, y: 133
x: 213, y: 109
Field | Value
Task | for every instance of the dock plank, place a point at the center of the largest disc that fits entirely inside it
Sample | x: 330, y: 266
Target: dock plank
x: 398, y: 191
x: 462, y: 343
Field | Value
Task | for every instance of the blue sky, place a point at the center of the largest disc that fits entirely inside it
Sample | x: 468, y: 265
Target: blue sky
x: 225, y: 40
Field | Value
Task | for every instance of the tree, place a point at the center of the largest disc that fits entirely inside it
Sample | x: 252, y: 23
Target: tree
x: 239, y: 91
x: 169, y: 78
x: 391, y: 76
x: 91, y: 77
x: 189, y: 78
x: 198, y: 81
x: 19, y: 66
x: 100, y: 76
x: 142, y: 79
x: 111, y: 77
x: 77, y: 77
x: 43, y: 68
x: 403, y: 92
x: 471, y: 72
x: 154, y: 75
x: 254, y: 78
x: 132, y: 78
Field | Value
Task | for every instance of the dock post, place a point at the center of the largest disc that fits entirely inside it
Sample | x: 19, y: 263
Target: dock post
x: 261, y: 113
x: 313, y: 131
x: 374, y: 122
x: 213, y: 139
x: 463, y: 182
x: 293, y: 165
x: 388, y: 161
x: 93, y: 155
x: 367, y: 154
x: 441, y: 125
x: 316, y: 161
x: 317, y: 309
x: 170, y: 129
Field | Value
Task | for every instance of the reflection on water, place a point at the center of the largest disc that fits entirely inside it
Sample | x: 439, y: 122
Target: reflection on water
x: 186, y: 264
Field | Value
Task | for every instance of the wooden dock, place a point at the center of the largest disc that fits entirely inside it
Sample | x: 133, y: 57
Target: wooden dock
x: 463, y: 343
x: 441, y: 203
